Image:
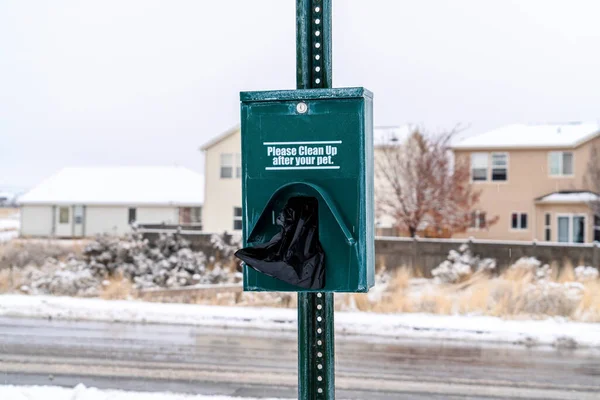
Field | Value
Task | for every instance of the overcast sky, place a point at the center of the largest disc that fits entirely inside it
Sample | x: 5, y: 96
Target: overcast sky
x: 141, y: 82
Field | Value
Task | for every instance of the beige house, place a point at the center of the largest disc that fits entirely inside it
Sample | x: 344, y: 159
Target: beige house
x: 222, y: 211
x: 532, y: 179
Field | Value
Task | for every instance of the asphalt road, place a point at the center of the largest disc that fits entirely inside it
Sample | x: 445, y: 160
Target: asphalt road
x: 263, y: 364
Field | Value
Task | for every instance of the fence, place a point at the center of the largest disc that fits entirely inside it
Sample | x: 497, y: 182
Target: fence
x: 425, y: 254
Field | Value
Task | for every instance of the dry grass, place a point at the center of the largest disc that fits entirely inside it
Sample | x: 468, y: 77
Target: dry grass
x: 516, y: 293
x: 566, y: 273
x: 118, y: 288
x: 11, y: 279
x: 6, y: 281
x: 589, y: 306
x: 23, y: 252
x: 400, y: 280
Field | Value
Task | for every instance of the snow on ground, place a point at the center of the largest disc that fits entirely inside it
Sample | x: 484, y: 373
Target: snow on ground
x: 9, y: 224
x: 9, y: 227
x: 557, y: 332
x: 8, y: 235
x: 80, y: 392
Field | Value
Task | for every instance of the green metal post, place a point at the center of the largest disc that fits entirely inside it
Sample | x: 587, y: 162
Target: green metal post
x: 316, y: 351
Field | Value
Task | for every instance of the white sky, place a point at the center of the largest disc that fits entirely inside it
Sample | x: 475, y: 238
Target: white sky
x: 142, y: 82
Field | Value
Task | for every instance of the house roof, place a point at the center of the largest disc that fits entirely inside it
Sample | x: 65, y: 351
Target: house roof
x: 517, y: 136
x: 160, y: 186
x: 569, y: 197
x: 221, y: 137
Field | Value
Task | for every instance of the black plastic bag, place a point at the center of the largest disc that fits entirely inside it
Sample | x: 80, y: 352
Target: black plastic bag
x: 294, y: 255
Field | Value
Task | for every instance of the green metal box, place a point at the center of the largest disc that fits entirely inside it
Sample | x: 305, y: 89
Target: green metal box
x: 316, y: 143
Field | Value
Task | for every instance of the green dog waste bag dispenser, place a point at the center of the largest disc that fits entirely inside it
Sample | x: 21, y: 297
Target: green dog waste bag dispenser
x: 307, y: 183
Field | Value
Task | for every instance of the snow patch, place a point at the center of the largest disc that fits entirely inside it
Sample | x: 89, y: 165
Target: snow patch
x: 8, y: 235
x: 10, y: 224
x: 460, y: 265
x: 585, y: 274
x: 9, y: 227
x: 81, y: 392
x: 573, y: 197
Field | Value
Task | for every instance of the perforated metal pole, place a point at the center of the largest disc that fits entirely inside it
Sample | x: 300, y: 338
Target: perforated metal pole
x: 316, y: 351
x: 313, y: 44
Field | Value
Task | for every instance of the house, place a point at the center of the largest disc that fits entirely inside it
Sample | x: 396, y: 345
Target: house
x: 222, y: 210
x: 223, y: 193
x: 532, y: 178
x: 78, y: 202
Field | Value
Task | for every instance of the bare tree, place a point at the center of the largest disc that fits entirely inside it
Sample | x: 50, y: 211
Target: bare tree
x: 420, y: 185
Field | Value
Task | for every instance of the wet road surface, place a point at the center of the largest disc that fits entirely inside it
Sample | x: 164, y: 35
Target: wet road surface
x: 203, y: 360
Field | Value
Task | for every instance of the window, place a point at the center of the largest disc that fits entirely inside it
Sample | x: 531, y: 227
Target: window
x: 63, y: 215
x: 547, y: 227
x: 578, y: 229
x: 563, y: 229
x: 561, y: 163
x: 596, y: 228
x: 571, y: 228
x: 132, y: 215
x: 196, y: 215
x: 499, y: 166
x: 190, y: 215
x: 78, y: 215
x: 480, y: 169
x: 231, y: 164
x: 519, y: 221
x: 227, y: 165
x: 237, y: 218
x: 238, y: 165
x: 478, y: 220
x: 479, y: 166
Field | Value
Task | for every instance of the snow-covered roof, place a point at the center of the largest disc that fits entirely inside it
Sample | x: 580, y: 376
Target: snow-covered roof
x: 391, y: 135
x: 120, y: 186
x: 568, y: 197
x: 220, y: 137
x: 532, y: 136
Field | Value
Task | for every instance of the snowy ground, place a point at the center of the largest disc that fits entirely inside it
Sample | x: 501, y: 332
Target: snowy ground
x: 5, y: 236
x: 9, y: 227
x: 556, y: 332
x: 80, y: 392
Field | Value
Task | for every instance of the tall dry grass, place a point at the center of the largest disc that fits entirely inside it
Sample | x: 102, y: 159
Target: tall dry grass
x: 517, y: 293
x: 117, y: 288
x: 24, y: 252
x: 588, y: 308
